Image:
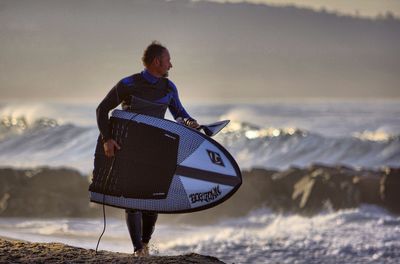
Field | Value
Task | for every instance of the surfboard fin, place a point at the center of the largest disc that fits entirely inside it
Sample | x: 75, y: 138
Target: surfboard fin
x: 214, y: 128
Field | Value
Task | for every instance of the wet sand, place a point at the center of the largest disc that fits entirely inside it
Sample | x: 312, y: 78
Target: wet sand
x: 16, y: 251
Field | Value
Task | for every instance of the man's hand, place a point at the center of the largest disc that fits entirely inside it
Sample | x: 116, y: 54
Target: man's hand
x: 192, y: 123
x: 109, y: 147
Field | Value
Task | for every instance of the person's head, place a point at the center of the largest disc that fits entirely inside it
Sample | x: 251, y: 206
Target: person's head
x: 157, y: 60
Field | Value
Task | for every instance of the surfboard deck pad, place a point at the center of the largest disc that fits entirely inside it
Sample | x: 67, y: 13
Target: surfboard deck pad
x: 142, y: 169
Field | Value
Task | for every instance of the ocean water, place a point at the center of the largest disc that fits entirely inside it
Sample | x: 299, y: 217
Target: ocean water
x: 366, y: 234
x: 265, y: 134
x: 268, y: 134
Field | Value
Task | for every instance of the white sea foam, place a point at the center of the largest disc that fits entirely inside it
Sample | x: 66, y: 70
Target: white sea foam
x: 378, y: 135
x: 367, y: 234
x: 363, y: 235
x: 30, y: 112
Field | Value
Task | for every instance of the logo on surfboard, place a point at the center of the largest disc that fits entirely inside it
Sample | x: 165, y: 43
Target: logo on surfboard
x: 206, y: 196
x: 215, y: 158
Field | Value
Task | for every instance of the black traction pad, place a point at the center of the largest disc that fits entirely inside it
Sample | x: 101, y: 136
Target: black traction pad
x: 143, y: 168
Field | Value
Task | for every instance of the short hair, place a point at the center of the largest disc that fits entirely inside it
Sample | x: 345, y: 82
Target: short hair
x: 154, y: 50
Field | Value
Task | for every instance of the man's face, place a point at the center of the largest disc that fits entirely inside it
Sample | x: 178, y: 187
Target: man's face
x: 164, y: 64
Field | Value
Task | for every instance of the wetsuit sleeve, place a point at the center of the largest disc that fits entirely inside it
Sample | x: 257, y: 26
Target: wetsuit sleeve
x: 116, y: 95
x: 175, y: 106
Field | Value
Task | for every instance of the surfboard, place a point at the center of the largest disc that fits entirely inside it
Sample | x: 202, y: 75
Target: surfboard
x: 163, y: 166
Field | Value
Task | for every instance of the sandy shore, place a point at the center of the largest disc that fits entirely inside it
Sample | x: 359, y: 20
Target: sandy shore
x: 15, y: 251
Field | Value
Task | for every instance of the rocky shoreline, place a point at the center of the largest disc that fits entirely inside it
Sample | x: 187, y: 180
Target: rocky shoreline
x: 63, y: 192
x: 15, y: 251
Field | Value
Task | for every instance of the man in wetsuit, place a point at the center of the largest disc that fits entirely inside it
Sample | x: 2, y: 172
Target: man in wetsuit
x: 150, y: 93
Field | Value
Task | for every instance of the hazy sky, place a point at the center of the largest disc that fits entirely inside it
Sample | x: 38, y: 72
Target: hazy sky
x: 80, y: 49
x: 369, y: 8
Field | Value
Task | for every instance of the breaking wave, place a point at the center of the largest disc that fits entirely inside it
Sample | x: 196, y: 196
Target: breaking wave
x: 27, y: 142
x: 44, y: 142
x: 281, y: 148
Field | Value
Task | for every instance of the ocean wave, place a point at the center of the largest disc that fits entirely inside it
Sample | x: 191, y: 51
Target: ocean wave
x: 46, y: 142
x: 26, y: 115
x: 10, y: 125
x: 281, y: 148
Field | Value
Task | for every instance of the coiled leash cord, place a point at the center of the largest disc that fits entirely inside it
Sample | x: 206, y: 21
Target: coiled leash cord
x: 104, y: 199
x: 125, y: 130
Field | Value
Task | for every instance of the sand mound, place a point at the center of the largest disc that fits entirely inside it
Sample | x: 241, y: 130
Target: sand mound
x: 13, y: 251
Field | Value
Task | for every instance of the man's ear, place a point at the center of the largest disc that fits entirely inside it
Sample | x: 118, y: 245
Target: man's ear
x: 156, y: 61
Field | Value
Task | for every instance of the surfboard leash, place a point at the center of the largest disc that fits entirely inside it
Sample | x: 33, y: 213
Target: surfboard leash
x: 104, y: 223
x: 104, y: 200
x: 125, y: 130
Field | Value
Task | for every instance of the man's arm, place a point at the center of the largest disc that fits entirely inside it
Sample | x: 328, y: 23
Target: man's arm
x: 178, y: 111
x: 112, y: 100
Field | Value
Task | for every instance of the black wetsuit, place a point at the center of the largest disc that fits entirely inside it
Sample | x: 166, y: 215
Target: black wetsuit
x: 135, y: 89
x: 145, y: 94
